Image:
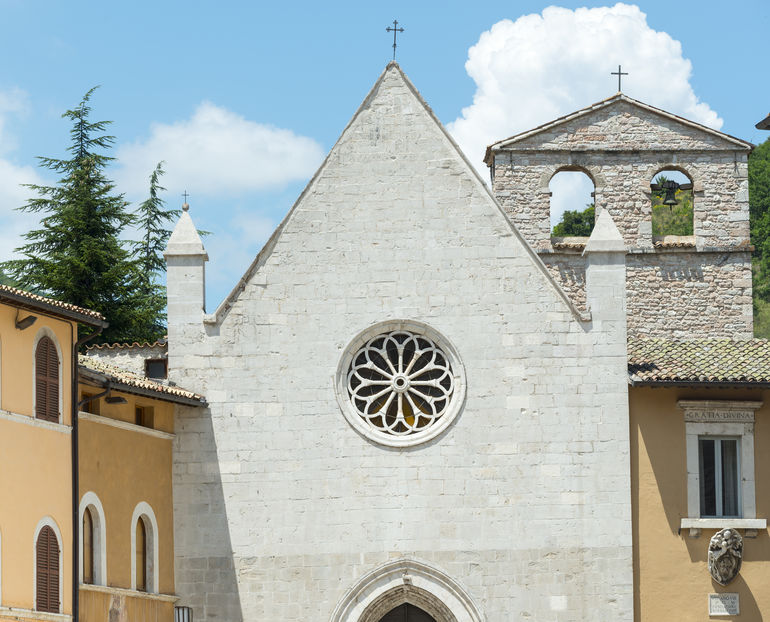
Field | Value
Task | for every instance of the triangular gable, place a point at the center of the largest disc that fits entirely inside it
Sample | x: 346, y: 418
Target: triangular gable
x: 644, y: 127
x: 252, y: 273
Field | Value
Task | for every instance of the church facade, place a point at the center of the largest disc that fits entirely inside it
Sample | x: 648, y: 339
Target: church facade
x: 422, y: 406
x: 404, y: 405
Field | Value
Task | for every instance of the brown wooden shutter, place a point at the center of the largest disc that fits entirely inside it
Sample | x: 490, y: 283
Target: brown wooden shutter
x: 47, y: 576
x: 47, y: 381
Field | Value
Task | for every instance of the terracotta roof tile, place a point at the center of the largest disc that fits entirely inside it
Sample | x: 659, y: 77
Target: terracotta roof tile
x: 19, y: 295
x: 122, y: 378
x: 728, y: 361
x: 127, y: 346
x: 675, y: 241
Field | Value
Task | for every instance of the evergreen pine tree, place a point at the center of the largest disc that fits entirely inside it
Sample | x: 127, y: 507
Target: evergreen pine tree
x: 76, y: 254
x: 151, y: 221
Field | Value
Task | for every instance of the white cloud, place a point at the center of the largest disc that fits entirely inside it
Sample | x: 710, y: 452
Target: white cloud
x: 217, y: 152
x: 540, y: 67
x: 13, y: 224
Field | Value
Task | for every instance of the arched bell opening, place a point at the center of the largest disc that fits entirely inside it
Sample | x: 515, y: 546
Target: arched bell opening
x: 673, y: 205
x: 572, y: 203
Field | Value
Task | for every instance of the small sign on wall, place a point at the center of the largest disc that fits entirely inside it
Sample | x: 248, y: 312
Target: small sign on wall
x: 724, y: 605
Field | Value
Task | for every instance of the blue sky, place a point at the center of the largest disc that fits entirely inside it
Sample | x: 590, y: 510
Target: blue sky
x: 243, y: 100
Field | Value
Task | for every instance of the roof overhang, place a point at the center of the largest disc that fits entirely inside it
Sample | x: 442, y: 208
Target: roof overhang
x: 49, y: 308
x: 98, y: 379
x: 764, y: 124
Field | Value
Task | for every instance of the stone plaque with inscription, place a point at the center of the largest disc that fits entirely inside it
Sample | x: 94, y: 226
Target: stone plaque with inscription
x: 724, y: 605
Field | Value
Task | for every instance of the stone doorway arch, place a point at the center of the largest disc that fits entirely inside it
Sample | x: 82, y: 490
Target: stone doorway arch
x: 407, y: 595
x: 406, y: 581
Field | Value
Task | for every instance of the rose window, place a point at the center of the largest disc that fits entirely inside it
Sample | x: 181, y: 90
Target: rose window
x: 401, y: 383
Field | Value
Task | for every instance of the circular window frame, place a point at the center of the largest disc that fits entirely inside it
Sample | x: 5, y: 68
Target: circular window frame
x: 359, y: 424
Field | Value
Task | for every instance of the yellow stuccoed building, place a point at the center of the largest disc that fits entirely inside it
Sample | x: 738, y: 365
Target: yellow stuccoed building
x: 122, y: 547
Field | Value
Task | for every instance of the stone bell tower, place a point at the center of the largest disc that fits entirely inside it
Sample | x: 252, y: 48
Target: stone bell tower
x: 678, y: 286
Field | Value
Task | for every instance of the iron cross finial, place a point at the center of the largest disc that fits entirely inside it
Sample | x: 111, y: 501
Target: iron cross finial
x: 394, y: 30
x: 618, y: 73
x: 185, y: 195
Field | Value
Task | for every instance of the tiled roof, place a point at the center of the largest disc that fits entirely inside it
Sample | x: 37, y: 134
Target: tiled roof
x: 161, y: 343
x: 130, y: 382
x: 700, y: 361
x: 675, y: 241
x: 575, y: 243
x: 28, y: 299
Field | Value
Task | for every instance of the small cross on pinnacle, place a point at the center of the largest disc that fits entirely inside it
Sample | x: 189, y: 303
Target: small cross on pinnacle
x: 618, y: 73
x: 185, y: 205
x: 394, y: 30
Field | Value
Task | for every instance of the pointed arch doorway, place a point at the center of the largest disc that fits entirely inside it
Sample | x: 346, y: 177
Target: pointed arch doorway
x: 407, y: 613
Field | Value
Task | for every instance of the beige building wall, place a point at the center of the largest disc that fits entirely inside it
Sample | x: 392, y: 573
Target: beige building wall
x: 124, y: 465
x: 35, y: 462
x: 671, y: 577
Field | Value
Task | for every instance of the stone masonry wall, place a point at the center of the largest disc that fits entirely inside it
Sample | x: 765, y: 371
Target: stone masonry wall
x: 622, y: 186
x: 281, y: 506
x: 674, y: 294
x: 685, y: 295
x: 622, y: 148
x: 131, y: 358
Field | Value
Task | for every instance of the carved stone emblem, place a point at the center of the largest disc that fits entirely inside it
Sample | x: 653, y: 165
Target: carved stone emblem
x: 725, y: 555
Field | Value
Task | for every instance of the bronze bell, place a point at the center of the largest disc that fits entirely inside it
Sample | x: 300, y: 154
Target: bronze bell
x: 670, y: 187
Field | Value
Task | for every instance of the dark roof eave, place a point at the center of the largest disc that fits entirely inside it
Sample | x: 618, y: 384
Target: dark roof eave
x: 100, y: 379
x: 702, y: 384
x: 764, y: 124
x: 22, y: 302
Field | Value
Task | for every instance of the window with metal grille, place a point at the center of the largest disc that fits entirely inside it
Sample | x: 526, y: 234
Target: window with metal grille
x: 719, y: 466
x: 47, y: 571
x: 183, y: 614
x: 47, y: 381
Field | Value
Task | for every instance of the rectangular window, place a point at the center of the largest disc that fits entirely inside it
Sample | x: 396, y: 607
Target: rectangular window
x: 145, y: 416
x: 719, y: 470
x: 156, y: 368
x: 92, y: 406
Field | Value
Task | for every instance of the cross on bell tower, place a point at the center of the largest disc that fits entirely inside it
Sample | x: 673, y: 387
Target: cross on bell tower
x: 618, y: 73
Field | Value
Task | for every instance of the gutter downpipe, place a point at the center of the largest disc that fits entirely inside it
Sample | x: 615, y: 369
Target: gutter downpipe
x: 76, y: 474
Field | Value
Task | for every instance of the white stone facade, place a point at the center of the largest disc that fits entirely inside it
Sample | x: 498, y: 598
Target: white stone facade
x: 702, y: 290
x: 519, y: 509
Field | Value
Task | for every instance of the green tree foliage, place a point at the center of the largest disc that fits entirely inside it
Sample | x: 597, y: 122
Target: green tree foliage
x: 6, y: 280
x: 675, y: 219
x: 759, y: 213
x: 152, y: 219
x: 575, y: 223
x: 76, y: 255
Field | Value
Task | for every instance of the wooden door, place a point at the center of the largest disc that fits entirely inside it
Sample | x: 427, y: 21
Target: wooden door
x: 407, y: 613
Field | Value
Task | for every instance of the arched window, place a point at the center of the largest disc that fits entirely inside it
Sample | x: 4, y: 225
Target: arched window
x: 144, y: 549
x: 88, y: 547
x: 672, y: 203
x: 47, y: 571
x: 572, y: 204
x: 93, y: 541
x: 46, y: 380
x: 141, y: 555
